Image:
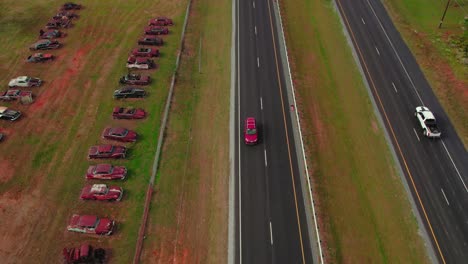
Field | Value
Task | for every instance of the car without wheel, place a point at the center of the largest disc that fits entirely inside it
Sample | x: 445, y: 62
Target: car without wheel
x: 8, y: 114
x: 150, y: 40
x: 128, y: 113
x: 24, y: 81
x: 427, y: 122
x: 90, y: 224
x: 145, y: 52
x: 67, y: 14
x: 63, y: 22
x: 160, y: 21
x: 129, y: 92
x: 40, y: 57
x: 119, y: 134
x: 156, y: 30
x: 135, y: 79
x: 107, y: 152
x: 14, y: 94
x: 70, y: 6
x: 85, y: 254
x: 106, y: 172
x: 51, y: 34
x: 45, y: 44
x: 101, y: 192
x: 250, y: 131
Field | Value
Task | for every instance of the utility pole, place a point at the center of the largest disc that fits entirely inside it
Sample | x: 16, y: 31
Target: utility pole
x: 445, y: 12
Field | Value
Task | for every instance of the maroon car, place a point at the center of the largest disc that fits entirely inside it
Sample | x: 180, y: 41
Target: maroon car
x: 135, y: 79
x: 107, y: 152
x: 101, y: 192
x: 160, y: 21
x: 119, y: 134
x: 91, y: 224
x: 156, y: 30
x: 9, y: 95
x: 51, y: 34
x: 128, y: 113
x: 250, y: 131
x: 84, y: 254
x: 150, y: 40
x: 145, y: 52
x: 106, y: 172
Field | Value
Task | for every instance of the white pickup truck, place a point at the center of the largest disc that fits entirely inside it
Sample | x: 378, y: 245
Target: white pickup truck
x: 428, y: 122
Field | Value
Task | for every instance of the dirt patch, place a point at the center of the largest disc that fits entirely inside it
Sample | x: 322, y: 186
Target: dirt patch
x: 7, y: 170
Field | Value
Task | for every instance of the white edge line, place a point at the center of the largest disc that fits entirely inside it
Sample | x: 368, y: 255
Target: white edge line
x: 271, y: 234
x: 302, y: 142
x: 416, y: 133
x: 445, y: 196
x: 453, y: 163
x: 238, y: 121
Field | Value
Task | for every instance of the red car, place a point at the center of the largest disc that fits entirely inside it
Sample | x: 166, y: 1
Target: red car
x: 84, y: 254
x: 160, y: 21
x: 135, y: 79
x: 101, y: 192
x: 91, y: 224
x: 145, y: 52
x: 106, y: 172
x: 107, y: 152
x: 250, y: 131
x: 119, y: 134
x: 156, y: 30
x: 128, y: 113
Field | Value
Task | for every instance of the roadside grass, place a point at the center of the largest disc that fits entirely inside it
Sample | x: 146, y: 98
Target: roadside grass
x: 364, y: 212
x: 188, y: 216
x: 47, y: 148
x: 417, y: 22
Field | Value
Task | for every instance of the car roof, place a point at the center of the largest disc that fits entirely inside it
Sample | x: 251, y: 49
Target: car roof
x: 117, y: 130
x: 21, y: 78
x: 98, y: 188
x: 428, y: 114
x: 3, y: 109
x: 87, y: 220
x: 104, y: 148
x: 103, y: 167
x: 42, y: 41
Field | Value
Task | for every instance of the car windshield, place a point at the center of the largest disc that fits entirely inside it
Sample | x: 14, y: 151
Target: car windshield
x: 251, y: 131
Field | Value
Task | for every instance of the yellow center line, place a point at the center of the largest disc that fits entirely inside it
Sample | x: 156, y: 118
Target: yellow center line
x: 393, y: 133
x: 286, y: 130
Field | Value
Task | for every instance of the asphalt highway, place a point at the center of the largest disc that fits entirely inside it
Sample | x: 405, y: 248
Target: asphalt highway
x: 436, y: 170
x: 271, y: 225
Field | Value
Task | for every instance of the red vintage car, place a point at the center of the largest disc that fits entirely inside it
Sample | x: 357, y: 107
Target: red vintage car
x: 91, y: 224
x: 145, y: 52
x: 106, y: 172
x: 119, y: 134
x: 101, y: 192
x: 156, y: 30
x: 160, y: 21
x: 84, y: 254
x: 250, y: 131
x: 107, y: 152
x: 135, y: 79
x: 128, y: 113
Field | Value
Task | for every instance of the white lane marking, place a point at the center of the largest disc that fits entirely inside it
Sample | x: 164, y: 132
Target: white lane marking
x: 255, y: 30
x: 416, y: 133
x: 377, y: 50
x: 362, y: 19
x: 258, y: 62
x: 453, y: 163
x: 261, y: 103
x: 266, y: 161
x: 394, y: 87
x: 271, y: 234
x: 253, y: 4
x: 396, y: 53
x: 445, y: 196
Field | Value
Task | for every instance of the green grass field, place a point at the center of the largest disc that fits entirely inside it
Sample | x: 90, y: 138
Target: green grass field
x: 189, y: 210
x: 417, y: 21
x: 364, y: 213
x: 43, y: 159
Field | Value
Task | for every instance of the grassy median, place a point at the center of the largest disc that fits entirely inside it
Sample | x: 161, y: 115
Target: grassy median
x: 437, y: 52
x: 364, y: 212
x: 188, y: 217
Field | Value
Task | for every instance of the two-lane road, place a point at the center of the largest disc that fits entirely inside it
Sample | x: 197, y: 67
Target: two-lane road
x: 271, y: 224
x: 436, y: 170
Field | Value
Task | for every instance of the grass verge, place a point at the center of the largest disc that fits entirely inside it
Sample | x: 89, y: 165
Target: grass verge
x: 187, y: 221
x: 417, y: 21
x: 363, y: 209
